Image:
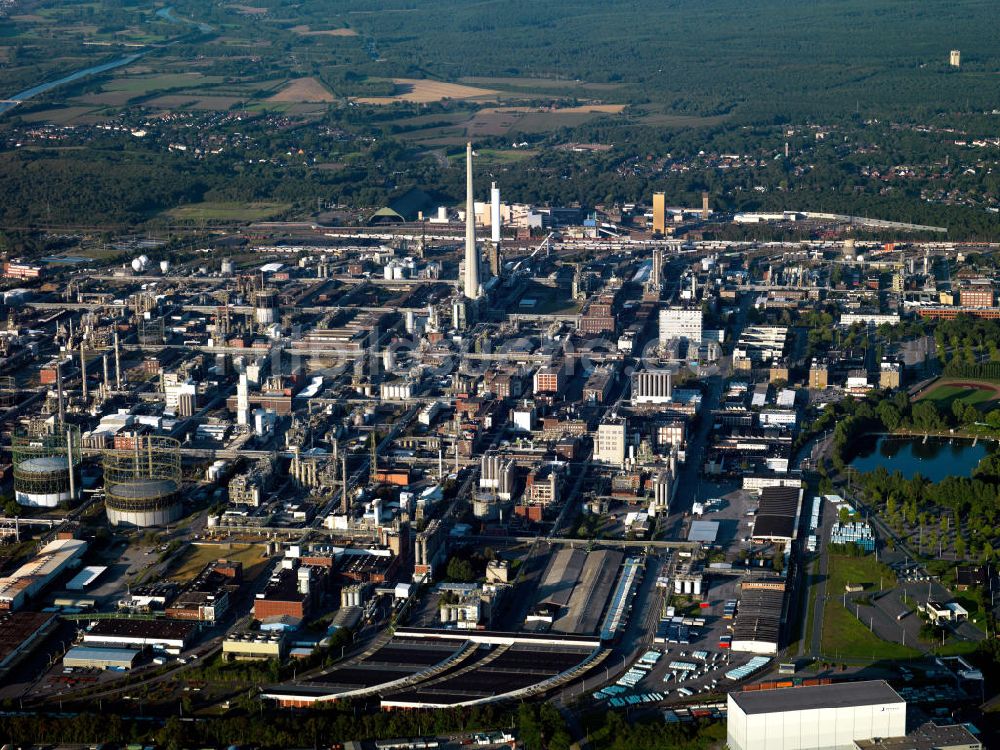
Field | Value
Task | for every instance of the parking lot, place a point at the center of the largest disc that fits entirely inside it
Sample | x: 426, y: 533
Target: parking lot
x: 729, y: 511
x: 59, y: 679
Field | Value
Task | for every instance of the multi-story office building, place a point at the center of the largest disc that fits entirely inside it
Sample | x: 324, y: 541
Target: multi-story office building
x: 611, y: 441
x: 653, y: 386
x: 680, y: 323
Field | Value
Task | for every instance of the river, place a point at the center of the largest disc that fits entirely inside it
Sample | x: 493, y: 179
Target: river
x: 167, y: 14
x: 41, y: 88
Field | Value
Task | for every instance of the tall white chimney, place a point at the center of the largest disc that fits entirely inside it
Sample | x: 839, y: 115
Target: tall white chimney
x: 495, y: 214
x: 471, y: 256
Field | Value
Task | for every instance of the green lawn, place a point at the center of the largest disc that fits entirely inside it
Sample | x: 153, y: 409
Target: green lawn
x: 844, y: 637
x: 227, y: 211
x: 957, y: 648
x: 497, y: 156
x: 947, y: 393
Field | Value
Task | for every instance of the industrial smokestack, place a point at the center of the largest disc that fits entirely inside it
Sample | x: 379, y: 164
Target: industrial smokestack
x: 495, y: 214
x: 59, y: 392
x: 343, y: 476
x: 471, y: 256
x: 69, y: 460
x: 118, y: 365
x: 83, y: 372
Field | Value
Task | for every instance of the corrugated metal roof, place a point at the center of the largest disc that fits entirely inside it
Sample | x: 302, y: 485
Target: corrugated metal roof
x: 102, y: 654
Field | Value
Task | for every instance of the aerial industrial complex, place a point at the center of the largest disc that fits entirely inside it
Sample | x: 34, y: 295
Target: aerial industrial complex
x: 505, y: 453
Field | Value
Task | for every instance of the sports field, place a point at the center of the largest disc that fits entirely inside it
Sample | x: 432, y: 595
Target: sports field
x: 946, y: 391
x: 227, y: 211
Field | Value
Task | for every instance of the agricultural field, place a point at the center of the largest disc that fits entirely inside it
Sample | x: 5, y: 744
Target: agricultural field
x: 195, y: 101
x: 64, y: 115
x: 145, y: 84
x: 495, y: 156
x: 175, y: 90
x: 541, y: 84
x: 454, y: 128
x: 422, y: 91
x: 303, y: 30
x: 197, y: 556
x: 303, y: 90
x: 250, y: 10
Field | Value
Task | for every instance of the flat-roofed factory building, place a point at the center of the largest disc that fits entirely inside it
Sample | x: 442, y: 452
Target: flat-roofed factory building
x: 247, y: 645
x: 575, y: 589
x: 817, y: 717
x: 777, y: 517
x: 172, y: 636
x: 90, y: 657
x: 21, y: 633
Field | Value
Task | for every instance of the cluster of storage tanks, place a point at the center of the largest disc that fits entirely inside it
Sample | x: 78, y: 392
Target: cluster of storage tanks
x: 143, y: 264
x: 142, y: 482
x: 688, y: 585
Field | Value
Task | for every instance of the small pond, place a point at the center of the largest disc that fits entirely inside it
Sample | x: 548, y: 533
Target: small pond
x: 934, y: 459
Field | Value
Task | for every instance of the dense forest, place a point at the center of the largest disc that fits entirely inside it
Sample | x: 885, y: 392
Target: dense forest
x: 539, y: 726
x: 762, y: 60
x: 859, y: 90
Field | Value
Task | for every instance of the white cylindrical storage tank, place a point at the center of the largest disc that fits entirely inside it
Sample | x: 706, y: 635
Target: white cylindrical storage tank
x: 46, y: 466
x: 697, y: 586
x: 350, y: 596
x: 55, y: 470
x: 387, y: 272
x: 265, y: 302
x: 228, y: 268
x: 484, y: 507
x: 142, y: 484
x: 164, y: 266
x: 678, y: 586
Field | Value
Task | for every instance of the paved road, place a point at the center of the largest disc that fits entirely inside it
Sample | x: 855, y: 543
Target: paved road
x: 689, y: 475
